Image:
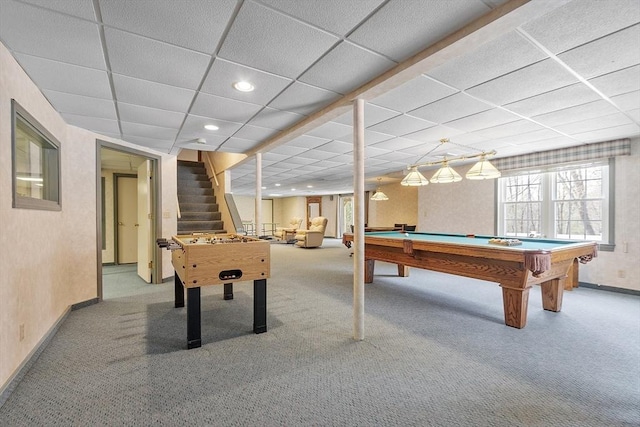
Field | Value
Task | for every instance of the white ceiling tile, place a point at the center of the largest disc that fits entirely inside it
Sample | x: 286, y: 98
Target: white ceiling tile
x: 288, y: 150
x: 483, y: 120
x: 223, y: 74
x: 194, y: 127
x: 509, y: 129
x: 402, y: 125
x: 156, y: 61
x: 336, y: 147
x: 150, y: 94
x: 525, y: 138
x: 627, y: 101
x: 149, y: 116
x: 413, y: 94
x: 395, y: 144
x: 270, y: 156
x: 618, y: 82
x: 370, y: 137
x: 275, y: 119
x: 415, y: 24
x: 255, y: 133
x: 79, y: 8
x: 634, y: 114
x: 594, y: 124
x: 155, y: 144
x: 58, y: 37
x: 558, y: 99
x: 92, y: 123
x: 450, y: 108
x: 223, y: 108
x: 61, y: 77
x: 211, y: 144
x: 146, y: 131
x: 236, y: 145
x: 580, y: 22
x: 193, y: 25
x: 532, y: 80
x: 434, y: 134
x: 303, y: 99
x: 345, y: 68
x: 605, y: 55
x: 515, y: 53
x: 262, y: 38
x: 614, y: 132
x: 81, y: 105
x: 336, y: 16
x: 372, y: 115
x: 308, y: 141
x: 331, y: 130
x: 317, y: 155
x: 578, y: 113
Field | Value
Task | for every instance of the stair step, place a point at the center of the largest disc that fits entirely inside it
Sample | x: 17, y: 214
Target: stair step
x: 199, y: 207
x: 190, y: 183
x: 196, y: 199
x: 195, y: 191
x: 199, y: 225
x: 200, y: 216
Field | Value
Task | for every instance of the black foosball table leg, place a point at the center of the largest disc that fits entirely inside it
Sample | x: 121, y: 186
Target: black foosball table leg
x: 228, y: 291
x: 194, y: 339
x: 179, y: 291
x: 260, y: 306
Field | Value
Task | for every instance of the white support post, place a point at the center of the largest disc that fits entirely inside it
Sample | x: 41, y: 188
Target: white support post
x: 258, y: 208
x: 358, y: 229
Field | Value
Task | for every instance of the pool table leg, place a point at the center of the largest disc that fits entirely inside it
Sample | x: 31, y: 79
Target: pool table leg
x: 369, y: 266
x: 403, y: 270
x: 552, y: 291
x: 515, y: 303
x: 228, y: 291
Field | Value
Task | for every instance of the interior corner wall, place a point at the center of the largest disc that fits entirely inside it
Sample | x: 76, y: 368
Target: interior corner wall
x: 48, y: 259
x: 329, y: 211
x: 401, y: 208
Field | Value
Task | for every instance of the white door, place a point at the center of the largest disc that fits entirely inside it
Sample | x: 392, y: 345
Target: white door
x: 144, y: 221
x: 127, y: 218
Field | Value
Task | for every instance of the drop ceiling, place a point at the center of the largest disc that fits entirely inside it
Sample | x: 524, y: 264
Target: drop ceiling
x: 511, y: 76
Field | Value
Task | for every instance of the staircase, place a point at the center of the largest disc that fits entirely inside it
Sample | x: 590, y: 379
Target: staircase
x: 198, y: 207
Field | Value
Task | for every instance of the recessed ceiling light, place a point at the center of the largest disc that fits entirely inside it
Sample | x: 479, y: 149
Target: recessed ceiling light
x: 211, y: 127
x: 243, y: 86
x: 264, y: 188
x: 309, y: 186
x: 277, y: 185
x: 293, y: 189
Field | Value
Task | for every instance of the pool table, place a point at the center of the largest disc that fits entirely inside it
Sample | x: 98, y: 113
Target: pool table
x: 515, y: 268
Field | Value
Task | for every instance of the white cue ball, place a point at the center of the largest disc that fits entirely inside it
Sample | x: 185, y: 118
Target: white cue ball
x: 406, y: 234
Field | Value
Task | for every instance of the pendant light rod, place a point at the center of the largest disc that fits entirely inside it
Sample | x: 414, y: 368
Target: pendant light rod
x: 452, y: 159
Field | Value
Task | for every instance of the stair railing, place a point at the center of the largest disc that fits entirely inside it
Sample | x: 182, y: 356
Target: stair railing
x: 213, y: 170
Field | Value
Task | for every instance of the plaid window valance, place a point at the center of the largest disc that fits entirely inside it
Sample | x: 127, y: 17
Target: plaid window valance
x: 595, y: 151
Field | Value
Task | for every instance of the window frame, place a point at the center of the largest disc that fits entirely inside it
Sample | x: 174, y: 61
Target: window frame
x: 548, y: 200
x: 20, y: 116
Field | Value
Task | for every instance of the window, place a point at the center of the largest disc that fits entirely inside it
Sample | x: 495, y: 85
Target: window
x: 36, y: 163
x: 569, y: 203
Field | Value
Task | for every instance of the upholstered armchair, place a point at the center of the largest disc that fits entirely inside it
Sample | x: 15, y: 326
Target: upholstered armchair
x: 312, y: 238
x: 288, y: 233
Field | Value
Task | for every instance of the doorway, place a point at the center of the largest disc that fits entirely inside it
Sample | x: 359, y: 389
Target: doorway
x: 314, y: 209
x: 127, y: 221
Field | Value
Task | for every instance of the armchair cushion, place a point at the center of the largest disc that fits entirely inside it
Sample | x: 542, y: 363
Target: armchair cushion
x: 288, y: 231
x: 312, y: 238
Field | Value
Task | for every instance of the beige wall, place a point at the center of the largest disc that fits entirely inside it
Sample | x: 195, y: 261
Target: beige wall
x: 401, y: 208
x: 49, y: 259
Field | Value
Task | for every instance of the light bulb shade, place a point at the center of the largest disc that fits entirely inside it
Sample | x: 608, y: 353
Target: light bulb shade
x: 483, y: 170
x: 445, y: 174
x: 414, y: 178
x: 378, y: 196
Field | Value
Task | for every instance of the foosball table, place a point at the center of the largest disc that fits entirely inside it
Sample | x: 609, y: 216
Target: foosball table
x: 218, y: 259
